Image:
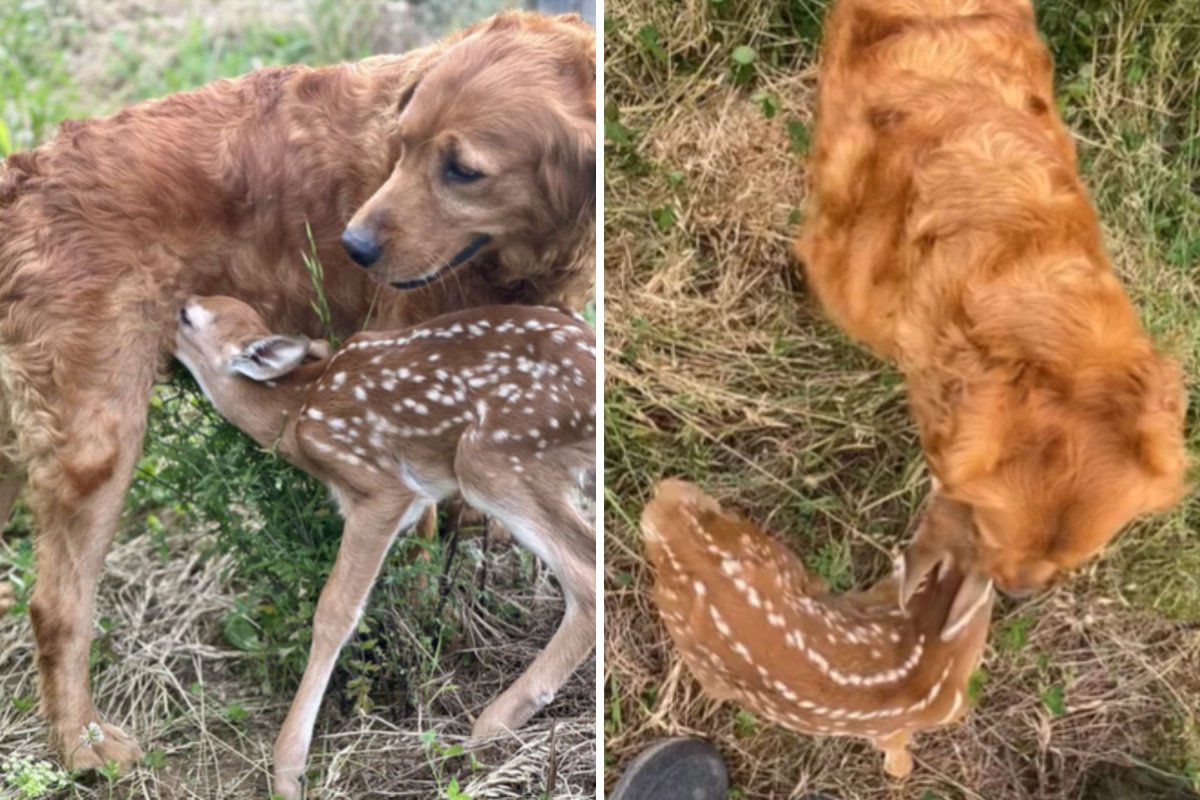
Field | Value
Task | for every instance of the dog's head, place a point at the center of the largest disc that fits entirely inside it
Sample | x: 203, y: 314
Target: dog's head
x: 1060, y: 427
x: 496, y: 163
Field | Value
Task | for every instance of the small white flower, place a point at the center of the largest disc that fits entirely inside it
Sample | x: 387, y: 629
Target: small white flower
x: 91, y: 734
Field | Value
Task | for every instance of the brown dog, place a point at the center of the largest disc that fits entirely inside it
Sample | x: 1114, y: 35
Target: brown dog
x: 950, y: 232
x: 472, y: 162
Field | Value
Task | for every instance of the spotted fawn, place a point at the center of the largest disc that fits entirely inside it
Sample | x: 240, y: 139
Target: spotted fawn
x: 754, y: 626
x: 495, y: 403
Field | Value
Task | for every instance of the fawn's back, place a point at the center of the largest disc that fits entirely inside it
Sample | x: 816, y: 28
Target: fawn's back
x: 521, y: 381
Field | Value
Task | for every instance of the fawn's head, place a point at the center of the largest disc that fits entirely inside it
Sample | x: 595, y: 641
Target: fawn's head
x: 221, y: 339
x: 943, y: 546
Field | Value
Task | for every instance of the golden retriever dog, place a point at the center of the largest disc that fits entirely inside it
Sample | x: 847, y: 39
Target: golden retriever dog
x: 462, y: 173
x: 949, y: 231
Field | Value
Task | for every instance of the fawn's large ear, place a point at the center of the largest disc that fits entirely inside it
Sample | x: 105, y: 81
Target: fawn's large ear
x: 913, y: 566
x: 973, y: 597
x: 944, y: 525
x: 974, y: 593
x: 270, y: 357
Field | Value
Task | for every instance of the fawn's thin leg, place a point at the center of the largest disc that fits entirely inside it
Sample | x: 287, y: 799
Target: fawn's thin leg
x: 371, y: 526
x: 426, y: 530
x: 539, y: 513
x: 6, y: 597
x: 76, y: 496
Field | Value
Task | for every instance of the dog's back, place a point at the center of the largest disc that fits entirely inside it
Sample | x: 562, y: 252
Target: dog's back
x: 949, y: 231
x: 935, y: 117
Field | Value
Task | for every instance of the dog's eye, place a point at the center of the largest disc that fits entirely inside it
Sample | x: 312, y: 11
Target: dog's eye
x: 457, y: 173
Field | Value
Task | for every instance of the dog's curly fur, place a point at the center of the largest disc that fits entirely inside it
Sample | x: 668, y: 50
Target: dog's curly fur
x: 107, y: 228
x: 950, y: 232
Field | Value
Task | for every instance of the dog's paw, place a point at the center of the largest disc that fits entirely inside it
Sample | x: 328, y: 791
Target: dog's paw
x: 99, y: 744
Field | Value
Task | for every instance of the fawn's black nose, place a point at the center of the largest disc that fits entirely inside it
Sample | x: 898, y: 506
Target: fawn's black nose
x: 361, y: 246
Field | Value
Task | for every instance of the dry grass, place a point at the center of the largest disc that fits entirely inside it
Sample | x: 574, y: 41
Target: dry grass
x: 719, y: 370
x: 166, y: 674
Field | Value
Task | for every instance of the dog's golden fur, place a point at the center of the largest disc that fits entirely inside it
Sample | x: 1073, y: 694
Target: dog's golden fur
x: 949, y: 231
x: 108, y: 227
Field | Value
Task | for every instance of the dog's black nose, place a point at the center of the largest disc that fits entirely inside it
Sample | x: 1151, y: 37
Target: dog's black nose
x: 361, y: 246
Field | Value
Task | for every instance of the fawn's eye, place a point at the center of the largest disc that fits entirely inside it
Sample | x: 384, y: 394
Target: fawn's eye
x: 455, y: 172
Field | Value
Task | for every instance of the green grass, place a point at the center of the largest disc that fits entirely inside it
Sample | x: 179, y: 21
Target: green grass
x: 720, y: 370
x: 34, y: 84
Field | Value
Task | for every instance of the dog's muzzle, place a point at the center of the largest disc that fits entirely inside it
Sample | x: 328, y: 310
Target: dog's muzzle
x: 460, y: 258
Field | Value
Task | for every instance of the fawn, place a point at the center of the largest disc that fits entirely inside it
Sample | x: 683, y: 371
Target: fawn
x: 497, y: 403
x: 754, y: 626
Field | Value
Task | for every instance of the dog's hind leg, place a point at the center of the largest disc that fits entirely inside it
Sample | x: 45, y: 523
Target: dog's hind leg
x: 10, y: 486
x: 12, y: 481
x: 76, y: 494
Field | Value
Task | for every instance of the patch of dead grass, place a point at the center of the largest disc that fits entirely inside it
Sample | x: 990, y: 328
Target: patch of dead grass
x: 165, y: 674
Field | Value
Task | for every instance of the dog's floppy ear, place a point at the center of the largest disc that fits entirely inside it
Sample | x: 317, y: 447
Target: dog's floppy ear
x: 568, y: 169
x: 270, y: 357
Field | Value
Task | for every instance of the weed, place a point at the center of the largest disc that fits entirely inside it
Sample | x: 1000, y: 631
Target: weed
x: 31, y: 779
x: 1054, y: 699
x: 744, y: 723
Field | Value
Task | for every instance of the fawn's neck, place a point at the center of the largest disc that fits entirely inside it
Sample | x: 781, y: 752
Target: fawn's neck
x: 267, y: 412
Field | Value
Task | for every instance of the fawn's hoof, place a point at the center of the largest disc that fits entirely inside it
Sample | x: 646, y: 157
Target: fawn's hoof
x: 6, y: 597
x: 290, y: 757
x: 287, y: 786
x: 489, y: 726
x: 898, y: 763
x: 508, y: 712
x: 98, y: 745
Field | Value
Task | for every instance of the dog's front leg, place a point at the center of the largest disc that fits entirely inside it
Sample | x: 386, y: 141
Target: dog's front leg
x: 370, y: 528
x: 76, y: 493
